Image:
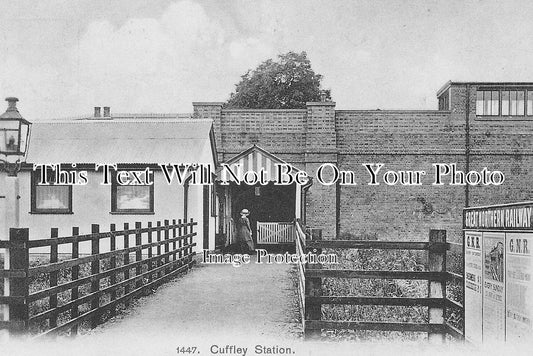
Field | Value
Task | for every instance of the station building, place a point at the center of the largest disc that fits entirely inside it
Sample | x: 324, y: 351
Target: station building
x: 476, y: 126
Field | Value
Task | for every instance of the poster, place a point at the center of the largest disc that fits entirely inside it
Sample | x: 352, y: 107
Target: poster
x: 473, y: 287
x: 519, y: 299
x: 493, y: 286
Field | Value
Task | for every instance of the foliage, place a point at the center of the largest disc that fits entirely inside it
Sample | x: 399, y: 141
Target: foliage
x: 287, y: 83
x: 389, y: 260
x: 42, y: 282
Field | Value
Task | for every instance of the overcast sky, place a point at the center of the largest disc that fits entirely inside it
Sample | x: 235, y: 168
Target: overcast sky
x: 61, y: 58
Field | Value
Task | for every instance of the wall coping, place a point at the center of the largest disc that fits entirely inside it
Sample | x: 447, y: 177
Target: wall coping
x: 207, y: 103
x: 320, y: 103
x: 303, y: 111
x: 396, y: 111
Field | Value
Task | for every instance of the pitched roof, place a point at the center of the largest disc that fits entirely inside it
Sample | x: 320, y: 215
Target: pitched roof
x: 254, y: 159
x: 119, y: 141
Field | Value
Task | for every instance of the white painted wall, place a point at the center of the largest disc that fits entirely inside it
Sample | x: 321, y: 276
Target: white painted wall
x: 91, y: 204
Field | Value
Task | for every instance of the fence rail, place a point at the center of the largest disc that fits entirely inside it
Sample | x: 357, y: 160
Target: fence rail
x: 436, y: 275
x: 59, y: 294
x: 300, y: 240
x: 275, y: 232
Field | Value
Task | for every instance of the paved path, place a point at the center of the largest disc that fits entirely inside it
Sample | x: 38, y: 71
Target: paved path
x: 212, y: 305
x: 216, y: 301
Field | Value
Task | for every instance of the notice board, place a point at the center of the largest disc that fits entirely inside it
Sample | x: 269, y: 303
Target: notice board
x: 498, y: 281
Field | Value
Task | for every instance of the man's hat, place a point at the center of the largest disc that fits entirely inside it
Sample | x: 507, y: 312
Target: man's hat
x: 245, y: 211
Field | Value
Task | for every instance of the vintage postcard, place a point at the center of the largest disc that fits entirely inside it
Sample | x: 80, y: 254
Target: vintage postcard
x: 247, y: 177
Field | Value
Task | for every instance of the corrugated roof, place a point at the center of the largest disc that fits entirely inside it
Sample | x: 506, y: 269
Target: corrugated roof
x: 126, y: 116
x: 119, y: 141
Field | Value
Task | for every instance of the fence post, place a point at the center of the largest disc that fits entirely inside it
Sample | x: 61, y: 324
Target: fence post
x: 54, y: 233
x: 190, y: 241
x: 113, y: 265
x: 95, y: 269
x: 174, y: 240
x: 158, y: 250
x: 313, y: 288
x: 180, y: 244
x: 150, y: 255
x: 75, y: 274
x: 437, y: 288
x: 125, y: 262
x: 138, y: 254
x: 18, y: 287
x: 167, y: 245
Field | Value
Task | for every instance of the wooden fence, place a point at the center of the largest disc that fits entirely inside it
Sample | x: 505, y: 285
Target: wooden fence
x: 310, y: 282
x: 71, y: 288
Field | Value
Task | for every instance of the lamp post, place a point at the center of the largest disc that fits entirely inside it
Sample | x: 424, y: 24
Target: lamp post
x: 14, y: 138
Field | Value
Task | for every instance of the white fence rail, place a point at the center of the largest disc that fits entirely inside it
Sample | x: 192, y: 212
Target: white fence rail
x: 275, y: 232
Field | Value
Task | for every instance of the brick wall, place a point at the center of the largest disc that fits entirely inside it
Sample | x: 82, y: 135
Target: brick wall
x: 304, y: 138
x: 320, y: 128
x: 500, y: 144
x: 402, y: 140
x: 281, y: 132
x: 213, y: 111
x: 399, y: 132
x: 399, y: 212
x: 321, y: 205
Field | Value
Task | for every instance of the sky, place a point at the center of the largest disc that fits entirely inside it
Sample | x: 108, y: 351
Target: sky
x: 62, y: 58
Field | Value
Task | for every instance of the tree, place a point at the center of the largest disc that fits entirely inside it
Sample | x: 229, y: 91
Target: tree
x: 286, y: 84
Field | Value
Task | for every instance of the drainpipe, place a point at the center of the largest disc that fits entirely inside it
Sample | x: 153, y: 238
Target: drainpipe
x: 467, y: 143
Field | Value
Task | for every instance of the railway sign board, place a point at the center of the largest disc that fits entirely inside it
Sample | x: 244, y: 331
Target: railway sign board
x: 498, y: 297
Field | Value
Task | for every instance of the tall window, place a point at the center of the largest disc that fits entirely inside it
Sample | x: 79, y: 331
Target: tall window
x: 506, y: 102
x: 530, y: 102
x: 488, y: 103
x: 516, y: 103
x: 131, y: 198
x: 50, y: 198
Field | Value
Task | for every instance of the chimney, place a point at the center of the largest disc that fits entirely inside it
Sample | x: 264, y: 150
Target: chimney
x: 323, y: 96
x: 97, y: 111
x: 107, y: 111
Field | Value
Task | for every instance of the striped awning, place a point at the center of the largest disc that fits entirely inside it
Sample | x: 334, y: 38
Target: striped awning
x: 253, y: 159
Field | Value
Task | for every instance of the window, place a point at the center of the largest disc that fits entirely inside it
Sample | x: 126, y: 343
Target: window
x: 488, y: 103
x: 50, y: 198
x: 516, y: 103
x: 504, y: 103
x: 520, y: 103
x: 444, y: 101
x: 131, y: 198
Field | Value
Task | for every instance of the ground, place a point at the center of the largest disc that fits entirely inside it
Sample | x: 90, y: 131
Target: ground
x: 210, y: 305
x: 217, y: 300
x: 211, y: 308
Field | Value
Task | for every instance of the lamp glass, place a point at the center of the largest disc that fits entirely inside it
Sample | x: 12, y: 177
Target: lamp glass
x: 9, y: 141
x: 24, y: 137
x: 14, y: 134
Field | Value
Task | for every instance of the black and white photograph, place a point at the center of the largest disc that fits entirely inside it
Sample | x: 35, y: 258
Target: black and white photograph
x: 266, y: 177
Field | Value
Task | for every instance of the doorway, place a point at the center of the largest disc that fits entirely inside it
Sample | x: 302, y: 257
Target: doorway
x: 266, y: 203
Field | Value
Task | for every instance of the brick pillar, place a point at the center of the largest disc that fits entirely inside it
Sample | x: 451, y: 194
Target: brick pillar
x: 321, y: 147
x: 212, y: 111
